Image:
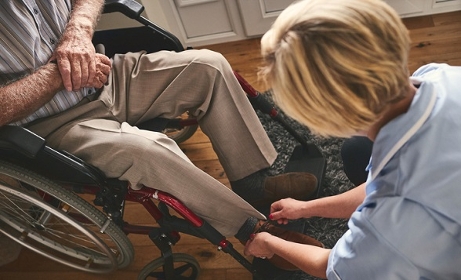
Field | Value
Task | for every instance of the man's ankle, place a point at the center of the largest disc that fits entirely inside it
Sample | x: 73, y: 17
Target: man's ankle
x: 250, y: 187
x: 246, y: 229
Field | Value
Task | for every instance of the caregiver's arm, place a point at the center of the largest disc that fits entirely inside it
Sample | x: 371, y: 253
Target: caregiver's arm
x: 337, y: 206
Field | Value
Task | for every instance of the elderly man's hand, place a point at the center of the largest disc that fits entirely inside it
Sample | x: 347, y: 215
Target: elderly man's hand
x: 103, y: 66
x: 76, y: 60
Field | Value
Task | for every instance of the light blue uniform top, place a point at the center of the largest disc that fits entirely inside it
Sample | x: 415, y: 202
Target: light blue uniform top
x: 409, y: 226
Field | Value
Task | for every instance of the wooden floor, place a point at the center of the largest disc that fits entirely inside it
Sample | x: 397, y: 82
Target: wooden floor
x: 435, y: 39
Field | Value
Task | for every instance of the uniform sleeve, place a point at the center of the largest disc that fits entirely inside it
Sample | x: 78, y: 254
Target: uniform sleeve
x: 428, y: 68
x: 362, y: 253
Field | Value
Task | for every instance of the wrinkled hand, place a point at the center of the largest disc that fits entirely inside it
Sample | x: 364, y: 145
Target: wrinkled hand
x: 76, y: 61
x: 255, y: 246
x: 103, y: 66
x: 286, y: 209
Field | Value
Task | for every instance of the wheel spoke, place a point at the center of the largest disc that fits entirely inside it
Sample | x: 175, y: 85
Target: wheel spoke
x: 38, y: 214
x: 43, y: 219
x: 13, y: 207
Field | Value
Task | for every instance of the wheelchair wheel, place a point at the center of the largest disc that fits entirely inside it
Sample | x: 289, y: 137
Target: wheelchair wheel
x: 58, y: 224
x: 182, y: 128
x: 185, y: 267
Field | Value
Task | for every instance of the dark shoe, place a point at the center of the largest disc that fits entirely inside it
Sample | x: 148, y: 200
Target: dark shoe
x: 297, y: 185
x: 289, y: 235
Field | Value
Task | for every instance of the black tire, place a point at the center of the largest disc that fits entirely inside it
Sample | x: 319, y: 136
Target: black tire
x: 186, y: 267
x: 183, y: 134
x: 58, y: 224
x: 180, y: 133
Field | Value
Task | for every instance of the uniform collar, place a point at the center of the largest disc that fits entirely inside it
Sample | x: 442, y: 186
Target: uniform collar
x: 398, y: 131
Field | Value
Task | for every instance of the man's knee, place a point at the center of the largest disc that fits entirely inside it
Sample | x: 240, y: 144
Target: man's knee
x: 213, y: 59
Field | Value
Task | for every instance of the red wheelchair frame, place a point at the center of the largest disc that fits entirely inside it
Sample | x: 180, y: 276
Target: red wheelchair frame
x: 21, y: 148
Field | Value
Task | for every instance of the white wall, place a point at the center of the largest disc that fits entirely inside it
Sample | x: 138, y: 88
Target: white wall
x: 180, y: 16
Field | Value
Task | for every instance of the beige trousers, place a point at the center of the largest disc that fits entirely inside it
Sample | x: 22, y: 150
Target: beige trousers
x: 143, y: 86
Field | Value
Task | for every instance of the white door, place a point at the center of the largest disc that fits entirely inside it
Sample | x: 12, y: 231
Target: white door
x: 258, y: 15
x: 201, y: 22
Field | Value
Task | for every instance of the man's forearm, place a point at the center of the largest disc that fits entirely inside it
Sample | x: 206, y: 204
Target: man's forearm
x: 75, y: 53
x: 23, y: 97
x: 84, y: 17
x: 337, y: 206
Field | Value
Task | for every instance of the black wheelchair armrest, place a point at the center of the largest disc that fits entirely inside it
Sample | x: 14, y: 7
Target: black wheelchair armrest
x: 130, y: 8
x: 21, y: 139
x: 22, y: 147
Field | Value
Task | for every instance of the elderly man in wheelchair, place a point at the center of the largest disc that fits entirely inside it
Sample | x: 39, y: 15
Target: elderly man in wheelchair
x: 58, y: 94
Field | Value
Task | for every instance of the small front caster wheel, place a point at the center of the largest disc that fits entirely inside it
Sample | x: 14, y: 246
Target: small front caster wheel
x: 184, y: 267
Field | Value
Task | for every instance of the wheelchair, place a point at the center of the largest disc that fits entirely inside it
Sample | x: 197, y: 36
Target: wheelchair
x: 45, y: 194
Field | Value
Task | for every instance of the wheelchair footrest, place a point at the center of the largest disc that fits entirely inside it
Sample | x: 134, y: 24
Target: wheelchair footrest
x: 308, y: 159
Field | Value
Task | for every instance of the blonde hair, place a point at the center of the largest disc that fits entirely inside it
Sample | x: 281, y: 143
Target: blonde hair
x: 335, y: 65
